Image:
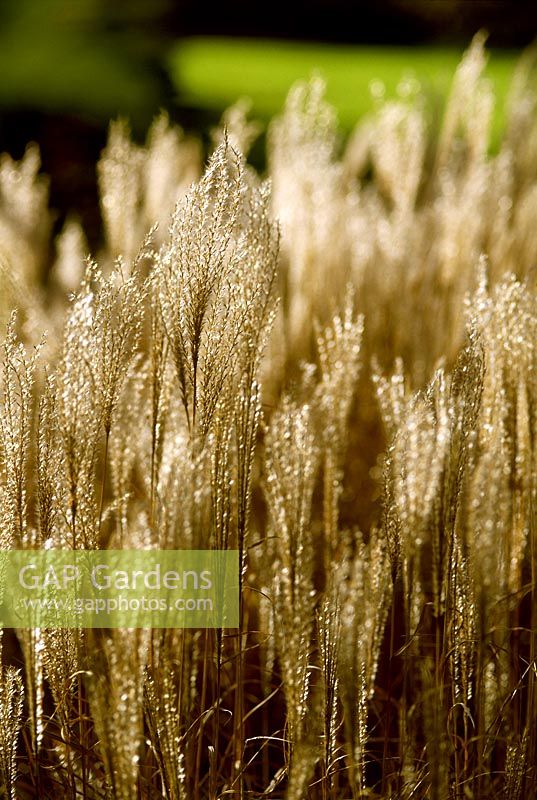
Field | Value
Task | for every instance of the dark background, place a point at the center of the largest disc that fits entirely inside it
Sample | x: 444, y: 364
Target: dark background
x: 510, y: 23
x: 68, y: 66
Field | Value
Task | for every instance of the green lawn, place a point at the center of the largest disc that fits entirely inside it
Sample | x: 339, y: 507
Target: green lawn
x: 212, y: 73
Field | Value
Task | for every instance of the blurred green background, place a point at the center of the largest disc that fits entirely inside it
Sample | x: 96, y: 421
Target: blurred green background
x: 68, y: 66
x: 211, y: 73
x: 83, y: 57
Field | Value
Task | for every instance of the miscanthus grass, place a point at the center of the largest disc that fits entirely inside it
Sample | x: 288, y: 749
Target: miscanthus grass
x: 331, y: 369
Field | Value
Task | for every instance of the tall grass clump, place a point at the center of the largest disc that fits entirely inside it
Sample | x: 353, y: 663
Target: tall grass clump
x: 330, y: 369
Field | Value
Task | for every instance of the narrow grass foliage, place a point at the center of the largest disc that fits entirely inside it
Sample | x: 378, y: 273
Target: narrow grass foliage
x: 331, y: 369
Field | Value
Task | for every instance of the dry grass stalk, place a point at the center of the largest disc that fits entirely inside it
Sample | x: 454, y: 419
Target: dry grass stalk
x: 397, y: 662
